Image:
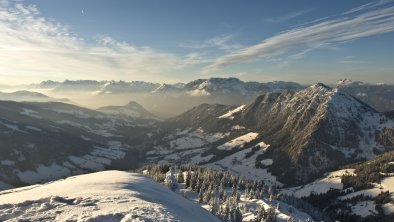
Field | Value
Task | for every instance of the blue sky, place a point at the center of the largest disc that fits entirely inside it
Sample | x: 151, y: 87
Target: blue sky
x: 177, y: 40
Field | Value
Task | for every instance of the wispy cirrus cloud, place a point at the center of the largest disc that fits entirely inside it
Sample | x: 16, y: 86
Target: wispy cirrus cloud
x: 288, y: 16
x: 350, y: 60
x: 363, y: 22
x: 32, y: 46
x: 369, y: 5
x: 222, y: 42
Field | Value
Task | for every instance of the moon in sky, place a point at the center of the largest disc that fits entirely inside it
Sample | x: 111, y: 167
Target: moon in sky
x: 83, y: 13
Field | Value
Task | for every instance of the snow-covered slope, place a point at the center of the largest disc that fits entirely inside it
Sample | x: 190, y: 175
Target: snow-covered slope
x: 364, y: 190
x: 47, y: 141
x: 102, y: 196
x: 331, y: 181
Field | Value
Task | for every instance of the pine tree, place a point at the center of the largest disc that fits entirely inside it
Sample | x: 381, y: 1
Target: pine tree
x: 188, y: 178
x: 260, y: 214
x: 170, y: 180
x: 271, y: 215
x: 215, y: 191
x: 180, y: 177
x: 215, y: 205
x: 208, y: 194
x: 221, y: 189
x: 193, y: 180
x: 270, y: 194
x: 201, y: 196
x: 237, y: 215
x: 234, y: 190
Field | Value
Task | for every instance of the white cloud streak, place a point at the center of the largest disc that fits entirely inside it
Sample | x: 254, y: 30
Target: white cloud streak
x: 221, y: 42
x: 287, y: 17
x: 32, y: 46
x: 359, y: 24
x: 369, y: 5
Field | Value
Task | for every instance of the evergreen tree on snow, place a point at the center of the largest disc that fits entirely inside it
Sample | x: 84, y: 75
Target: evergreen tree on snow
x: 170, y: 180
x: 234, y: 190
x: 238, y: 215
x: 188, y: 178
x: 201, y: 196
x: 215, y: 205
x: 271, y: 215
x: 208, y: 194
x: 235, y: 215
x: 221, y: 190
x: 180, y: 177
x: 260, y: 214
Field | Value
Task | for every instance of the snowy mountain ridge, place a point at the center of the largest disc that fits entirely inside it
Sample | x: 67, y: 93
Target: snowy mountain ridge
x: 308, y: 131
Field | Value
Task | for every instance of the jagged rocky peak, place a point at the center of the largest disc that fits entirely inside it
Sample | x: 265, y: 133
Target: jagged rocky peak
x: 318, y: 89
x: 169, y: 89
x: 321, y: 86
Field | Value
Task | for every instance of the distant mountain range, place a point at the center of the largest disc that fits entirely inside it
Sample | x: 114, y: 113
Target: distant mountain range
x: 216, y: 90
x: 168, y: 100
x: 199, y: 87
x: 163, y: 100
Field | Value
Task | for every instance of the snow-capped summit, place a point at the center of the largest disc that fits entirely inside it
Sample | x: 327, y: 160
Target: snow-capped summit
x: 102, y: 196
x: 168, y: 88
